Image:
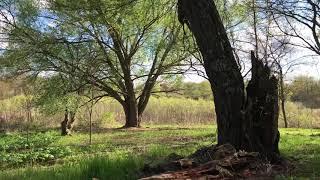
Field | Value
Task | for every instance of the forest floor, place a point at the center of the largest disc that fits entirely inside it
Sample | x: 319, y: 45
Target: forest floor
x: 121, y: 154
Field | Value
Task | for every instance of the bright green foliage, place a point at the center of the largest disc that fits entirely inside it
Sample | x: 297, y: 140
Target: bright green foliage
x: 21, y: 150
x: 120, y: 167
x: 233, y: 12
x: 190, y: 90
x: 306, y: 90
x: 197, y: 90
x: 121, y: 48
x: 52, y: 96
x: 302, y: 147
x: 13, y: 104
x: 73, y: 38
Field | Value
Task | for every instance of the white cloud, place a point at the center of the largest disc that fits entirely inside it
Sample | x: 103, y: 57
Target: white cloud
x: 4, y: 16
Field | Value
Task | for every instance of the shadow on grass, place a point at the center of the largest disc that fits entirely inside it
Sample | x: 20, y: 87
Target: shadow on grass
x: 306, y: 159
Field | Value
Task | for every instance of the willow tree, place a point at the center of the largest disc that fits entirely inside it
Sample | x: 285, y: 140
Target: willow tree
x: 122, y: 48
x: 246, y: 117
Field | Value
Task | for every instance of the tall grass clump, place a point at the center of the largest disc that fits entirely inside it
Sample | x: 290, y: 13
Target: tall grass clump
x: 119, y: 166
x: 299, y: 116
x: 174, y: 110
x: 161, y: 110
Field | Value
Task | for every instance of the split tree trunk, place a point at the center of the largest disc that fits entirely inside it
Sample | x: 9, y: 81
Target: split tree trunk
x: 261, y: 110
x: 68, y: 122
x: 248, y: 123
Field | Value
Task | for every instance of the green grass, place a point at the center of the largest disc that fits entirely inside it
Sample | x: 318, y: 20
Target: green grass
x: 303, y: 147
x: 118, y: 166
x: 120, y: 154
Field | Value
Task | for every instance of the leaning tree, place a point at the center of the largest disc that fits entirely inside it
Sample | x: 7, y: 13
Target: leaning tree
x: 246, y: 117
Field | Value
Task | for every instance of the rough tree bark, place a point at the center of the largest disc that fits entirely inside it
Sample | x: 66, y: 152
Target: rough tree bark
x: 261, y: 111
x: 246, y: 120
x: 130, y: 108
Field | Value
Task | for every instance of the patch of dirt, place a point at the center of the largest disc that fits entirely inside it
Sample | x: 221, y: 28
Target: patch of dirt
x: 215, y: 162
x: 176, y: 139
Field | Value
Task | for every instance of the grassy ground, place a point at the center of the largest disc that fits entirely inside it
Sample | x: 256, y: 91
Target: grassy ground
x: 119, y: 154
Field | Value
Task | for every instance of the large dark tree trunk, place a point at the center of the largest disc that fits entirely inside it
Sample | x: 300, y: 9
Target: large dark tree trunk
x: 261, y: 110
x: 248, y: 123
x: 131, y: 112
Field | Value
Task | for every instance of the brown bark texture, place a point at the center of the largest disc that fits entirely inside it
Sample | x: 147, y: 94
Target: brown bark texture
x: 246, y: 118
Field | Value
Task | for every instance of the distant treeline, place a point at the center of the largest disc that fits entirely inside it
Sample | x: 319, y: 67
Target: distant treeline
x: 181, y: 103
x: 303, y: 89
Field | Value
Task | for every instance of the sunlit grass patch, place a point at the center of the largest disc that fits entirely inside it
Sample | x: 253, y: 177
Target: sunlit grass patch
x: 303, y: 147
x: 116, y: 166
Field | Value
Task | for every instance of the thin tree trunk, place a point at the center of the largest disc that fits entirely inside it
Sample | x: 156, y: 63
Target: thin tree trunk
x: 90, y: 127
x: 254, y: 9
x: 90, y: 116
x: 283, y: 99
x: 246, y: 123
x: 284, y: 113
x: 64, y: 123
